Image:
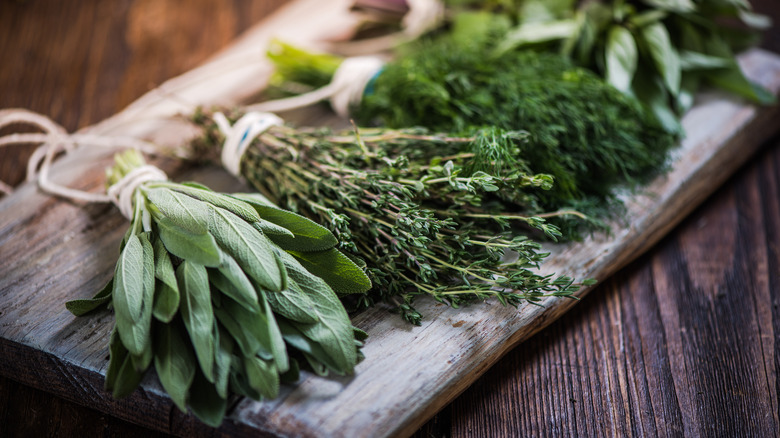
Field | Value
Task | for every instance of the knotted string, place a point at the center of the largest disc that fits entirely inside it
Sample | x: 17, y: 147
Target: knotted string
x: 344, y: 90
x: 55, y: 139
x: 239, y: 136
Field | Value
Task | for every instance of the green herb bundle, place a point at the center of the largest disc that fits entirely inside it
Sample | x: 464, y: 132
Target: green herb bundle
x: 661, y: 52
x: 414, y: 207
x: 584, y: 133
x: 218, y: 291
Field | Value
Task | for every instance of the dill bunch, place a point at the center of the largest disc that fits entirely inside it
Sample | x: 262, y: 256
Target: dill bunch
x: 584, y: 133
x: 410, y: 205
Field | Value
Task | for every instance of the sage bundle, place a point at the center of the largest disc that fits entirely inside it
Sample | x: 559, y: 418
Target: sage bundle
x: 414, y: 206
x: 218, y: 292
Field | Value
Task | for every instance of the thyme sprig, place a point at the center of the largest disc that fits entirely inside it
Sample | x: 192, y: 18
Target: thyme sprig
x: 415, y: 207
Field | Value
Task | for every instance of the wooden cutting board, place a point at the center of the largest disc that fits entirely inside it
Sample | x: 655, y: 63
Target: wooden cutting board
x: 52, y: 251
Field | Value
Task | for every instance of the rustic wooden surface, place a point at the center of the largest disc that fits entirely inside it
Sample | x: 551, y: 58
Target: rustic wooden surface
x: 683, y: 340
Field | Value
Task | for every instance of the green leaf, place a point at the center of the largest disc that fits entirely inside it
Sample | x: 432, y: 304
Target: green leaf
x: 293, y: 303
x: 198, y: 248
x: 121, y: 376
x: 679, y: 6
x: 251, y: 249
x: 336, y: 269
x: 275, y: 340
x: 205, y: 402
x: 665, y: 57
x: 296, y: 339
x: 535, y: 33
x: 222, y: 361
x: 734, y: 81
x: 181, y: 210
x: 133, y: 293
x: 651, y: 92
x: 621, y: 58
x: 84, y: 306
x: 690, y: 60
x: 308, y: 235
x: 197, y: 313
x: 248, y: 329
x: 174, y: 362
x: 272, y: 229
x: 166, y: 296
x: 231, y: 280
x: 262, y: 376
x: 220, y: 200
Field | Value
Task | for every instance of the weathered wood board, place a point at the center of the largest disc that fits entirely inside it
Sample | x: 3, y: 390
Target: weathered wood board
x: 52, y: 251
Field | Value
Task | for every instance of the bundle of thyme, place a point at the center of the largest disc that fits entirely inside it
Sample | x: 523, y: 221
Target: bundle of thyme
x: 429, y: 215
x: 217, y: 291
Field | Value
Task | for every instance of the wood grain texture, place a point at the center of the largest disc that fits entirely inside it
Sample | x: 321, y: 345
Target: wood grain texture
x: 599, y: 333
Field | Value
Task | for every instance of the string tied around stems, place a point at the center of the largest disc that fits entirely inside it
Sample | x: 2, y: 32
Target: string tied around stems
x: 239, y: 136
x: 344, y: 90
x: 56, y: 139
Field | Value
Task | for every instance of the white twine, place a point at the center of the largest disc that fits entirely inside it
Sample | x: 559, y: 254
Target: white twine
x: 423, y: 16
x: 239, y: 136
x: 55, y: 139
x: 345, y: 89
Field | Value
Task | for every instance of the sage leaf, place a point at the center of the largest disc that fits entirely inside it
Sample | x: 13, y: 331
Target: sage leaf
x: 262, y: 376
x: 251, y: 249
x: 121, y: 376
x: 248, y: 329
x: 219, y: 200
x: 231, y: 280
x: 133, y: 293
x: 238, y: 380
x: 166, y: 295
x: 174, y: 362
x: 181, y: 210
x: 205, y: 402
x: 621, y: 58
x: 293, y: 303
x: 664, y: 55
x: 272, y: 229
x: 198, y: 248
x: 222, y: 361
x: 197, y: 313
x: 307, y: 234
x: 296, y: 339
x: 84, y: 306
x: 275, y: 340
x: 336, y: 269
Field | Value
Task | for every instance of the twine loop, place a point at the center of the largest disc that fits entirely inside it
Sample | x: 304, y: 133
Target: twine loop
x: 121, y: 192
x: 239, y: 136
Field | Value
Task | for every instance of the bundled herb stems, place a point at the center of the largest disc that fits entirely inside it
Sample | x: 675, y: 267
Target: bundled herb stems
x: 217, y: 291
x: 414, y: 206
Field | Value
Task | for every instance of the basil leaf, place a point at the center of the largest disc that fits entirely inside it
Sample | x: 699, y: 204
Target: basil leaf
x: 665, y: 57
x: 690, y: 60
x: 262, y: 376
x: 734, y: 81
x: 248, y: 246
x: 649, y: 90
x: 121, y: 376
x: 205, y: 402
x: 133, y: 293
x: 336, y: 269
x: 219, y: 200
x: 166, y: 296
x: 679, y: 6
x: 621, y: 58
x: 308, y: 235
x: 179, y: 209
x: 198, y: 248
x: 84, y: 306
x: 535, y: 33
x: 197, y: 313
x: 174, y: 362
x: 231, y: 281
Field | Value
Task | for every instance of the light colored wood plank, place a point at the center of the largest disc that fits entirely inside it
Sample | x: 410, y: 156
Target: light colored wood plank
x: 52, y: 251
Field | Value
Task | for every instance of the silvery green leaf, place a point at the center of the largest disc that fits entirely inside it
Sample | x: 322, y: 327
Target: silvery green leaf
x: 336, y: 269
x: 251, y: 249
x: 664, y: 55
x: 84, y: 306
x: 272, y: 229
x: 222, y: 361
x: 262, y: 376
x: 197, y: 313
x: 181, y: 210
x: 308, y: 235
x: 293, y: 303
x: 275, y: 340
x: 174, y: 362
x: 238, y: 380
x: 296, y: 339
x: 166, y: 295
x: 231, y: 280
x: 133, y: 293
x: 621, y: 58
x: 247, y: 328
x: 205, y: 402
x: 198, y: 248
x: 121, y: 376
x: 219, y: 200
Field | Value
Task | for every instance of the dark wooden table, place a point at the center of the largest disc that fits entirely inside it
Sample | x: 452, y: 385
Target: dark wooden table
x: 684, y: 341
